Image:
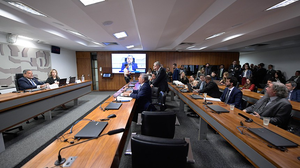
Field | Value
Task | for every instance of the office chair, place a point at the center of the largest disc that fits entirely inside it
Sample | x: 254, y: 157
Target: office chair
x: 17, y: 77
x: 255, y: 89
x: 149, y: 152
x: 158, y: 124
x: 161, y: 102
x: 154, y: 93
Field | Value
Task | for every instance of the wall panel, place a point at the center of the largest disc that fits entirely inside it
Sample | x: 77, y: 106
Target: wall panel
x: 165, y: 58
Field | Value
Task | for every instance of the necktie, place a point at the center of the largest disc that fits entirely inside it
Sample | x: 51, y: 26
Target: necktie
x: 227, y: 96
x: 289, y: 97
x: 32, y: 82
x: 201, y: 86
x: 261, y: 108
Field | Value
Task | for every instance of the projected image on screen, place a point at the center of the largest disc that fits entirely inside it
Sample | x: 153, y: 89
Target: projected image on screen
x: 136, y: 63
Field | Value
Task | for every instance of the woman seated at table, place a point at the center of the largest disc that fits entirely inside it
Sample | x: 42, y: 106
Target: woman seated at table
x: 249, y: 86
x: 183, y: 78
x: 225, y: 76
x: 53, y: 77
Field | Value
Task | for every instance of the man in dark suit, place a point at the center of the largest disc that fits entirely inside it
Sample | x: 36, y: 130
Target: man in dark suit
x: 220, y: 71
x: 176, y: 71
x: 296, y: 79
x: 161, y: 77
x: 132, y: 66
x: 231, y: 68
x: 274, y: 105
x: 211, y: 88
x: 231, y: 94
x: 29, y: 82
x: 270, y: 73
x: 142, y: 95
x: 207, y: 69
x: 294, y: 95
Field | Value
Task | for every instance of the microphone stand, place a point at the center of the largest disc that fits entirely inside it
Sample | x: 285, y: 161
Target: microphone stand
x: 61, y: 160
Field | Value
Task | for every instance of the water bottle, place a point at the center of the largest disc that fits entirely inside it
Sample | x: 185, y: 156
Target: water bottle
x: 134, y: 78
x: 82, y: 78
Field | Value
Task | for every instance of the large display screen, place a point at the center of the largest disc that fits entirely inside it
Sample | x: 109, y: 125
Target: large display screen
x: 136, y: 62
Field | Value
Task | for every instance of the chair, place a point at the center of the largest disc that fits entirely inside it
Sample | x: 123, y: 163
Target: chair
x: 17, y: 77
x: 160, y: 104
x: 255, y: 89
x: 149, y: 152
x: 158, y: 124
x: 244, y: 103
x: 154, y: 92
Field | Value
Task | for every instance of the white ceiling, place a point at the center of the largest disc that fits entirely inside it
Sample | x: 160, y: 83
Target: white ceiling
x: 157, y: 25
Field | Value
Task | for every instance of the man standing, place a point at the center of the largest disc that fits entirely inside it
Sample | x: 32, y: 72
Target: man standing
x: 161, y: 77
x: 274, y: 105
x: 231, y: 94
x: 207, y: 69
x: 142, y: 96
x: 231, y: 68
x: 294, y: 95
x: 176, y: 71
x: 220, y: 72
x: 126, y: 74
x: 29, y: 82
x: 270, y: 73
x: 211, y: 88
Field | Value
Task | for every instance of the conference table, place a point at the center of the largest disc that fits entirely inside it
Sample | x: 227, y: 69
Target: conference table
x: 104, y: 152
x: 252, y: 97
x: 252, y: 147
x: 19, y: 107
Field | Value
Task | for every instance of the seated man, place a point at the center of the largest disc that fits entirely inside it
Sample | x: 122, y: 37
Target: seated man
x: 274, y: 105
x: 211, y: 88
x: 194, y: 83
x: 29, y: 82
x: 231, y: 94
x: 142, y: 96
x: 294, y: 94
x: 268, y: 82
x: 132, y: 66
x: 296, y: 79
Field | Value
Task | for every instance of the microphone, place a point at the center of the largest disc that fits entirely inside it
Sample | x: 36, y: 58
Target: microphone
x: 247, y: 119
x: 61, y: 160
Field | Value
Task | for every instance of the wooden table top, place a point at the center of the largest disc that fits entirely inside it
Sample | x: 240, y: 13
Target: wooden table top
x: 95, y: 153
x: 231, y: 120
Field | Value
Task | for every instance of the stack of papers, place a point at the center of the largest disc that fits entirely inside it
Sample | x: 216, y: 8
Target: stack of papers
x: 120, y: 98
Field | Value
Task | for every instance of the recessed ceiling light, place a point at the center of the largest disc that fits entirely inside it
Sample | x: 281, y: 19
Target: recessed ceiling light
x: 90, y: 2
x: 25, y: 8
x: 24, y: 37
x: 130, y: 46
x: 215, y: 35
x: 190, y: 47
x: 107, y: 23
x: 97, y: 43
x: 74, y: 32
x: 120, y: 35
x: 232, y: 37
x: 282, y: 4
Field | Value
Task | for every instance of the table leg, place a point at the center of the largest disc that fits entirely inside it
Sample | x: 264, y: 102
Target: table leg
x: 48, y: 115
x: 2, y: 146
x: 202, y: 135
x: 172, y: 95
x: 181, y: 105
x: 75, y: 102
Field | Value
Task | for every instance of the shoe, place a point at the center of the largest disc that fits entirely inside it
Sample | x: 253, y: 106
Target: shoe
x: 193, y: 115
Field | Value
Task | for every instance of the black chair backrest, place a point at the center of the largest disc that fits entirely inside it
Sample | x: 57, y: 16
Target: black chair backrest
x: 158, y: 124
x: 255, y: 89
x: 149, y: 152
x: 154, y: 91
x: 17, y: 77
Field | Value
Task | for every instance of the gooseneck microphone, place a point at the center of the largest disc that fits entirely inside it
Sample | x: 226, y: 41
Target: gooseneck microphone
x: 61, y: 160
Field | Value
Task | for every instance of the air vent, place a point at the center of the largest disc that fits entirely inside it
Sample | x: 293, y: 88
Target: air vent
x: 186, y: 43
x: 258, y: 45
x: 110, y: 43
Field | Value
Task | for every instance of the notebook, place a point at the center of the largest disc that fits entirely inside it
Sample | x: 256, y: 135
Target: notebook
x: 72, y: 79
x: 113, y: 106
x: 91, y: 130
x: 272, y: 137
x: 196, y: 97
x: 62, y: 82
x: 218, y: 109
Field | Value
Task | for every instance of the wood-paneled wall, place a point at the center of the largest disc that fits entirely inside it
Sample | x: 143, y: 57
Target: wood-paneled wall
x: 165, y: 58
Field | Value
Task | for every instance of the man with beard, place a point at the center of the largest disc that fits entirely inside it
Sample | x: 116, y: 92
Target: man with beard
x: 231, y: 94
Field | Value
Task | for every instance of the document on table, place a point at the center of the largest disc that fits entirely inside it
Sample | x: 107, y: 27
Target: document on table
x: 119, y: 98
x: 213, y: 99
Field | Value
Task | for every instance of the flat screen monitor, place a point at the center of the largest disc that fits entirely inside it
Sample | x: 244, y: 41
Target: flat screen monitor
x: 136, y: 62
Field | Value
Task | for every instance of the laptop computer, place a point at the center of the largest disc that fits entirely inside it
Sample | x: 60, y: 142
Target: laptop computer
x: 91, y: 130
x: 113, y: 106
x: 272, y: 137
x: 72, y: 79
x: 197, y: 97
x: 218, y: 109
x: 190, y: 89
x: 62, y: 82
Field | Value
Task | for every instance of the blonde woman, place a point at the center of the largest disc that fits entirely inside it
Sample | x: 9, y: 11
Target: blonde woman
x: 225, y: 76
x: 53, y: 77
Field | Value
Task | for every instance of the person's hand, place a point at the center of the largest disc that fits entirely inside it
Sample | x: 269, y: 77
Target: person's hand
x: 256, y: 114
x: 151, y: 85
x: 125, y: 94
x: 245, y: 110
x: 43, y: 86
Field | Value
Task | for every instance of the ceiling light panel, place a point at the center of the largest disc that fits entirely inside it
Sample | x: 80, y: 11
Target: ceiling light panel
x: 282, y: 4
x: 90, y: 2
x: 120, y: 35
x: 25, y: 8
x: 215, y: 35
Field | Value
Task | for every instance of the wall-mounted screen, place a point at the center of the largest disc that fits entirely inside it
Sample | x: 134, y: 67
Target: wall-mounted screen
x: 136, y: 62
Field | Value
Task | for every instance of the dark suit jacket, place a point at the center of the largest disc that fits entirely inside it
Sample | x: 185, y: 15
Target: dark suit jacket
x: 142, y: 96
x: 218, y: 73
x: 50, y: 80
x: 295, y: 96
x: 207, y: 71
x: 211, y: 89
x: 161, y: 80
x: 134, y: 66
x: 235, y: 97
x: 175, y: 75
x: 25, y: 84
x: 278, y: 110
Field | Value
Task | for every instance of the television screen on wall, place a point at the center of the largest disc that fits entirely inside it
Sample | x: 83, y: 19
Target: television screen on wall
x: 136, y: 62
